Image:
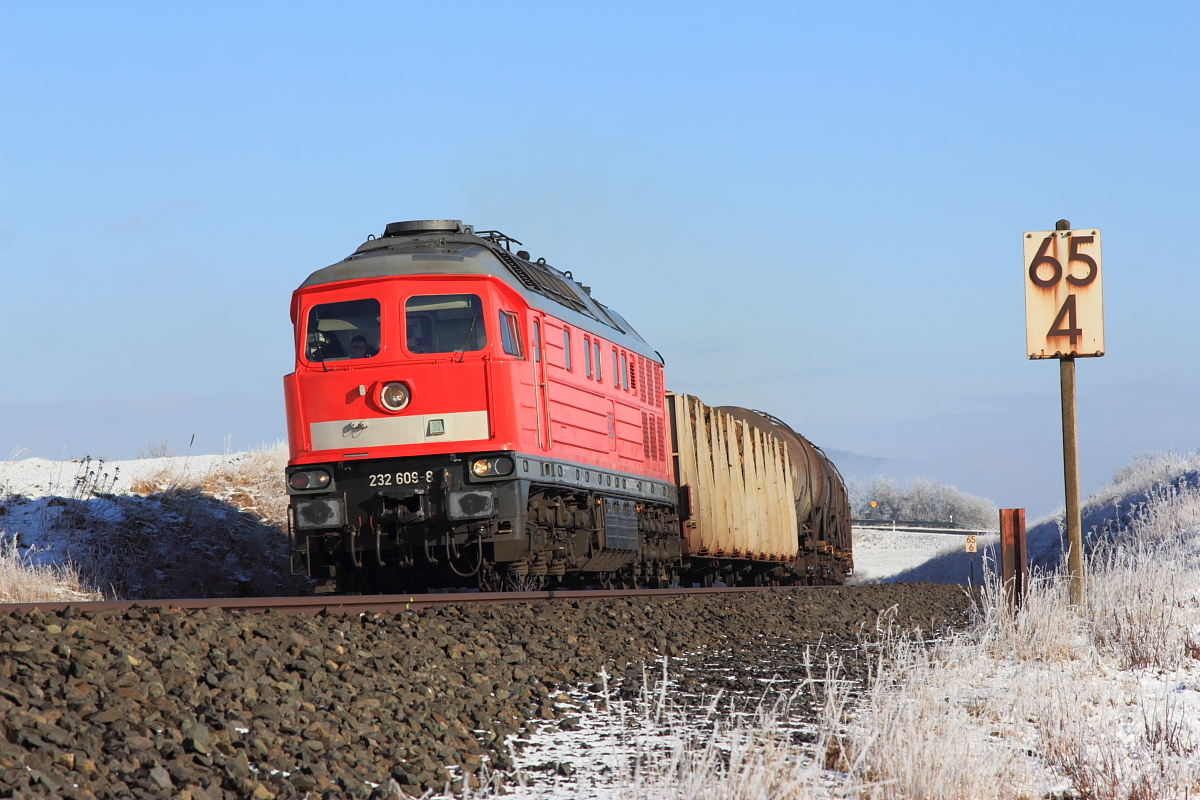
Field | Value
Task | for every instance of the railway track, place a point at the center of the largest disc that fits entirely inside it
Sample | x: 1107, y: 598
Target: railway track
x: 376, y: 604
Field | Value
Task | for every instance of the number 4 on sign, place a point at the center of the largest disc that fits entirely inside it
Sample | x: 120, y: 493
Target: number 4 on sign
x: 1068, y: 312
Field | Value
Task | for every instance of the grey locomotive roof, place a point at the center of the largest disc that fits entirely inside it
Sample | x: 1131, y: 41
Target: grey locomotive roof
x: 448, y: 252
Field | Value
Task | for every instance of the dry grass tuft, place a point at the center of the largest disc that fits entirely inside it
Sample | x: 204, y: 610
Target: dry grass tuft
x: 252, y: 482
x: 23, y: 581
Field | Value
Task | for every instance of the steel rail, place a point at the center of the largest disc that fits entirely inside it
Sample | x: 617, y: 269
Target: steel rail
x: 375, y: 604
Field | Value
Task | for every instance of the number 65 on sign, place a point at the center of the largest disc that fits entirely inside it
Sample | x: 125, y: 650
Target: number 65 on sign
x: 1064, y: 301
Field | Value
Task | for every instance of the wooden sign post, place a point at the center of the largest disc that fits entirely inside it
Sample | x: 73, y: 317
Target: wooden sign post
x: 1064, y: 319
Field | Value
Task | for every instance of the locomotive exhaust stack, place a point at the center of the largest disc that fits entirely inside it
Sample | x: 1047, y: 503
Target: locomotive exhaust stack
x: 460, y: 416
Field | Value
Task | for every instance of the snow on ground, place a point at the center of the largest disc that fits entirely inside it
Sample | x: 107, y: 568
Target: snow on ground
x: 1101, y: 700
x: 41, y: 477
x: 28, y: 488
x: 882, y: 556
x: 122, y: 525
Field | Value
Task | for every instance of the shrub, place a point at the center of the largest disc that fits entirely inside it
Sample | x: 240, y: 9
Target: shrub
x: 920, y: 499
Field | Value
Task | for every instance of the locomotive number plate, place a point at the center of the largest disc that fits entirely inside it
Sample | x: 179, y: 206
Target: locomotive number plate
x: 401, y: 478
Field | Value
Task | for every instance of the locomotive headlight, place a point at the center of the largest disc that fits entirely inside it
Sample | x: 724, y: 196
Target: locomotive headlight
x: 487, y: 467
x: 394, y: 396
x: 309, y: 479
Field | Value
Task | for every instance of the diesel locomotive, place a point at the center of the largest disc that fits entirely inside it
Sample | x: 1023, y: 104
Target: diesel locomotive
x: 463, y: 415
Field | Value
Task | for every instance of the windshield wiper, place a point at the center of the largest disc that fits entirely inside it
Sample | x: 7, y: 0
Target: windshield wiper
x: 467, y: 343
x: 321, y: 353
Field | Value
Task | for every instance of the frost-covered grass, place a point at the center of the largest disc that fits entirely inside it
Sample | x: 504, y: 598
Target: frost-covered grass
x: 162, y: 527
x: 1096, y: 701
x: 1101, y: 699
x: 252, y: 482
x: 22, y: 580
x: 1113, y: 508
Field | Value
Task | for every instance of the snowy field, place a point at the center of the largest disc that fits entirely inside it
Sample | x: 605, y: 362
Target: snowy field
x: 1099, y: 701
x: 882, y: 556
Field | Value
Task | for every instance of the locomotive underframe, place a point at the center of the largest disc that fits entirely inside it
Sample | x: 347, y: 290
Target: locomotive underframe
x: 409, y: 524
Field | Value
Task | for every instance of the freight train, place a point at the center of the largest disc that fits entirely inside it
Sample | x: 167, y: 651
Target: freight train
x: 462, y: 415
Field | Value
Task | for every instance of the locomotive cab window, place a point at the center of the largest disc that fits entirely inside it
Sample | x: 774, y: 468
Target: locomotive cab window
x: 510, y: 334
x: 566, y: 348
x: 537, y: 341
x: 444, y: 323
x: 342, y: 331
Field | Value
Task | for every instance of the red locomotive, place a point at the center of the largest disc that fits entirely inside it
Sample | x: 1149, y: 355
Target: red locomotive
x: 463, y: 415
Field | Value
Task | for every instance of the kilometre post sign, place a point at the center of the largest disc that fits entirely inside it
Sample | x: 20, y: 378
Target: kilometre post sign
x: 1064, y: 301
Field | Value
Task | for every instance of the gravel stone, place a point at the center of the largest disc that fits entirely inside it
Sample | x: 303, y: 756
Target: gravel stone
x: 208, y: 703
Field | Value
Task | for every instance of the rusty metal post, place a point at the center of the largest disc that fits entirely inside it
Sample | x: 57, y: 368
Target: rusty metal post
x: 1014, y: 557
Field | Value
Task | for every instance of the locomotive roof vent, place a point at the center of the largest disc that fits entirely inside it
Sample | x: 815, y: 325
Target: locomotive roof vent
x: 416, y: 227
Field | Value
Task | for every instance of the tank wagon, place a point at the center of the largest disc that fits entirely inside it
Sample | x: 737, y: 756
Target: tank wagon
x: 463, y: 415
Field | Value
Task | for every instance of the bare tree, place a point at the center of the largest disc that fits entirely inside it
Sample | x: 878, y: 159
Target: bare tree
x: 920, y: 499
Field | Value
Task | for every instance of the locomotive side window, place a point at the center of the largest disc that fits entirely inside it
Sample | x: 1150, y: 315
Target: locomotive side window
x: 444, y: 323
x: 616, y: 372
x: 566, y: 348
x: 537, y: 341
x: 596, y: 348
x: 510, y: 334
x: 624, y: 374
x: 587, y: 356
x: 341, y: 331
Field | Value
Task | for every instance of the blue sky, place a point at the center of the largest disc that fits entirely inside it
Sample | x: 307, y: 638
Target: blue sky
x: 813, y: 209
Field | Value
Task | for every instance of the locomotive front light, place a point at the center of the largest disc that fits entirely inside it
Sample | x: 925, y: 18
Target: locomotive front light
x: 488, y: 467
x: 309, y: 480
x: 395, y: 396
